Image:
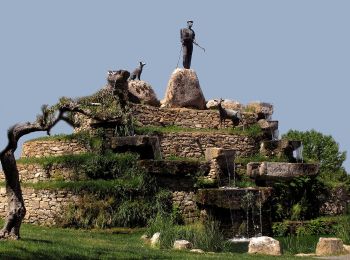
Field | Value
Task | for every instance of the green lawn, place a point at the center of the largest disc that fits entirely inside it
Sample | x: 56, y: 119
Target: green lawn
x: 57, y: 243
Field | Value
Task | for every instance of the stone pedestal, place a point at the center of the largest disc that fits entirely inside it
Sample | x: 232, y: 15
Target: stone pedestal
x: 183, y: 90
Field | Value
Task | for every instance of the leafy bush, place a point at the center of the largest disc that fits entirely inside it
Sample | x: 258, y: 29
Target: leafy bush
x: 299, y: 199
x: 110, y: 165
x: 325, y: 150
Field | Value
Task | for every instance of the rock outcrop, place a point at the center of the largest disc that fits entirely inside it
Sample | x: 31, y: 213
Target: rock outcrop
x: 184, y: 90
x: 329, y: 246
x: 141, y: 92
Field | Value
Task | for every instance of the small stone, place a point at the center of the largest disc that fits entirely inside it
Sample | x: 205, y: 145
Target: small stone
x: 347, y: 248
x: 182, y: 244
x: 196, y: 250
x: 264, y: 245
x: 329, y: 246
x: 155, y: 239
x: 305, y: 255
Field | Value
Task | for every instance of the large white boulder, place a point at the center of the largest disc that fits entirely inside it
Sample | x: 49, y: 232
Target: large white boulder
x: 183, y: 90
x: 264, y: 245
x: 142, y: 92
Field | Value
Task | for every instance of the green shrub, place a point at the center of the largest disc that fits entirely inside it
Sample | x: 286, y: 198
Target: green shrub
x: 280, y: 229
x: 110, y: 165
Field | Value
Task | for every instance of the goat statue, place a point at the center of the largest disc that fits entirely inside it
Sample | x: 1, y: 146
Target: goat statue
x: 137, y: 72
x: 234, y: 115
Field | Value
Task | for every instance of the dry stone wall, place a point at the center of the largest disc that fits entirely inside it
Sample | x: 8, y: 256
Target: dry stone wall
x: 43, y: 206
x: 186, y: 203
x: 183, y: 117
x: 36, y: 172
x: 193, y: 145
x: 44, y: 148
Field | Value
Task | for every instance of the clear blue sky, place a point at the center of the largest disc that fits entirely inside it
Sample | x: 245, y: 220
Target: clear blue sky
x: 293, y: 54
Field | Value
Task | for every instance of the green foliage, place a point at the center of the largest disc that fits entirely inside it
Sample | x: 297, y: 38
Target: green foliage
x: 110, y: 165
x: 296, y: 211
x: 325, y: 150
x: 298, y: 244
x: 343, y: 229
x: 280, y: 229
x: 203, y: 182
x: 109, y: 106
x: 252, y: 130
x: 305, y: 192
x: 318, y: 226
x: 92, y: 165
x: 91, y: 142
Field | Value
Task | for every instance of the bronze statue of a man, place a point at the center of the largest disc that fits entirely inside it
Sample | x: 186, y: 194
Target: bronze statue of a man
x: 187, y: 40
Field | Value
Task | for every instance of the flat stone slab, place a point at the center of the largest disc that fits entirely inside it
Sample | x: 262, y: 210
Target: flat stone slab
x: 280, y: 170
x: 229, y: 197
x: 215, y: 153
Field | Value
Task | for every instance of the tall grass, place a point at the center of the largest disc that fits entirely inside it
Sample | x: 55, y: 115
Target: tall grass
x: 292, y: 245
x: 207, y: 236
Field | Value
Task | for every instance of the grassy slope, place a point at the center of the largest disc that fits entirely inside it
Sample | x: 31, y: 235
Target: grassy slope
x: 57, y: 243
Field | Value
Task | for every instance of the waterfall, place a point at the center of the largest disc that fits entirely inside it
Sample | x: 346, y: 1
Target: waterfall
x: 298, y: 153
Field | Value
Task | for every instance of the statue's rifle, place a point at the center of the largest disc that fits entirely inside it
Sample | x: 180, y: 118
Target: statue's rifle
x: 199, y: 46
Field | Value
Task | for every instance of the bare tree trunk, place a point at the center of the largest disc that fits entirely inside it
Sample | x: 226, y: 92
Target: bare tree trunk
x: 16, y: 209
x: 46, y: 121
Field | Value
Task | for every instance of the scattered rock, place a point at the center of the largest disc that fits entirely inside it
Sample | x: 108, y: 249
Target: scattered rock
x: 141, y: 92
x: 264, y: 245
x: 182, y: 244
x: 196, y: 250
x: 329, y: 246
x: 184, y: 90
x: 155, y: 239
x: 305, y: 255
x: 227, y: 103
x: 260, y: 108
x: 212, y: 104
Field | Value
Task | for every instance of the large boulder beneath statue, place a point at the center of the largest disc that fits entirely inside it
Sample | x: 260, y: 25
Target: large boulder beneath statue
x: 141, y: 92
x: 265, y: 246
x: 184, y: 90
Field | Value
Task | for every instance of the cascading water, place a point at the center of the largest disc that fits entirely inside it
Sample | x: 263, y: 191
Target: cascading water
x: 298, y: 153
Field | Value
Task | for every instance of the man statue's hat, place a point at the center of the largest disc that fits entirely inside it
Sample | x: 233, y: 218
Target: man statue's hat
x: 190, y: 21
